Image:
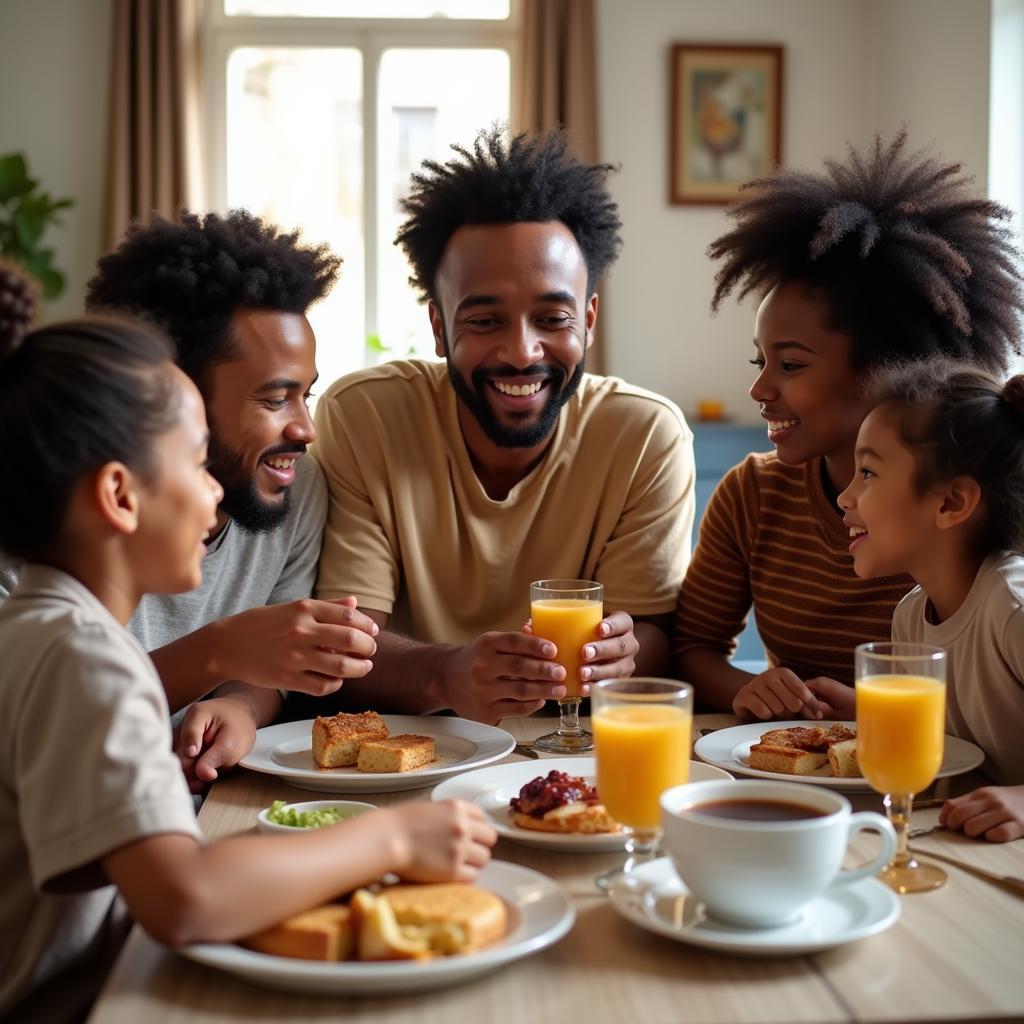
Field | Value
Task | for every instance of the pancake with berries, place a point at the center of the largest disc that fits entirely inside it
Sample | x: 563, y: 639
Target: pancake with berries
x: 558, y: 802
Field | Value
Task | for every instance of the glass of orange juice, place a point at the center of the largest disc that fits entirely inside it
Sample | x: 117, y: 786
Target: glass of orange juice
x: 567, y: 612
x: 901, y: 725
x: 642, y: 734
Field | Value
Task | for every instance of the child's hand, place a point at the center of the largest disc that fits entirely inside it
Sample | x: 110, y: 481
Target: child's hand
x: 997, y: 812
x: 835, y: 699
x: 449, y: 841
x: 214, y: 734
x: 778, y: 693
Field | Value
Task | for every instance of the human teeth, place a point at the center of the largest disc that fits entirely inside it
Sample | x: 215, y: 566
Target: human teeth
x: 518, y: 389
x: 857, y: 531
x: 281, y: 463
x: 774, y: 425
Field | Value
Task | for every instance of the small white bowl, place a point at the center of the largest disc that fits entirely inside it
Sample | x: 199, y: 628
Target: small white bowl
x: 349, y: 808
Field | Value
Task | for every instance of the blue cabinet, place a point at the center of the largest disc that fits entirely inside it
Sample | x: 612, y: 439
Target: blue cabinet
x: 717, y: 448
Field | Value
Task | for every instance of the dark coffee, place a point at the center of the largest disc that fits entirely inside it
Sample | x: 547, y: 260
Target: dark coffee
x: 758, y: 810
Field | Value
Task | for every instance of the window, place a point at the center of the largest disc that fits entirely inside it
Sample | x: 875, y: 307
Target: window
x: 317, y: 120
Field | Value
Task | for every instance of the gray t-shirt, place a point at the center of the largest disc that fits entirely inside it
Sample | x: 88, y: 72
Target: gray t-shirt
x: 241, y: 570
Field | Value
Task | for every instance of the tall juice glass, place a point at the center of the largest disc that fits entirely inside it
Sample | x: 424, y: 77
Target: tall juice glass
x: 901, y: 725
x: 567, y: 612
x: 642, y: 733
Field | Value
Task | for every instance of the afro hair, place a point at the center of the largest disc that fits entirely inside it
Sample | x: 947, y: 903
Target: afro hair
x: 530, y: 179
x: 909, y: 264
x: 191, y: 277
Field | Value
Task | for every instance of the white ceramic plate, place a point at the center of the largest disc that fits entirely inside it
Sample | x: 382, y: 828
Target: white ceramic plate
x: 657, y: 900
x: 539, y: 915
x: 730, y: 749
x: 286, y: 750
x: 492, y: 788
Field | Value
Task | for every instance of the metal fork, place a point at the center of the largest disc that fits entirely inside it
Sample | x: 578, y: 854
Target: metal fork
x: 916, y: 833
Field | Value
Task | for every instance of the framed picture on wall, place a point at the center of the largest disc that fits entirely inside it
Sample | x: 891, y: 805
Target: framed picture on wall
x: 726, y: 110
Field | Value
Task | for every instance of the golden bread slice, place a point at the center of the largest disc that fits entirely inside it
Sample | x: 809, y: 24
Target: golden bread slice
x: 450, y: 917
x: 579, y: 817
x: 799, y: 737
x: 324, y: 933
x: 773, y: 757
x: 336, y: 740
x: 842, y: 759
x: 378, y: 934
x: 839, y: 733
x: 396, y: 753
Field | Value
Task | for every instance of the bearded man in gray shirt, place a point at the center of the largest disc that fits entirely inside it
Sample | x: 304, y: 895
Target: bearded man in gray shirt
x: 233, y: 292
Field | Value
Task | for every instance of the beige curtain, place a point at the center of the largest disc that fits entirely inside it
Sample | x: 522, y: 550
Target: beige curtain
x: 558, y: 85
x: 155, y: 155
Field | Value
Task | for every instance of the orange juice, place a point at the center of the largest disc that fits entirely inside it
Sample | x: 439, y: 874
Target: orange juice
x: 900, y: 731
x: 642, y: 750
x: 568, y: 623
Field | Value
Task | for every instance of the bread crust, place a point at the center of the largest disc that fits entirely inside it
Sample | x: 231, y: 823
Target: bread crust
x: 337, y: 739
x: 770, y: 757
x: 324, y: 933
x: 403, y: 753
x: 585, y: 819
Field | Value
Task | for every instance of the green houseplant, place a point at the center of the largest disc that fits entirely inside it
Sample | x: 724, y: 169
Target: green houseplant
x: 26, y: 211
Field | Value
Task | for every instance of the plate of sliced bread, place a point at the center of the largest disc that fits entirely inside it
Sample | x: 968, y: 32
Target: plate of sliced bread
x: 821, y: 753
x: 551, y: 804
x: 404, y: 938
x: 371, y: 753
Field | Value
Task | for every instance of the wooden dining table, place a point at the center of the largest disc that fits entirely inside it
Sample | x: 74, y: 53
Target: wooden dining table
x: 954, y: 954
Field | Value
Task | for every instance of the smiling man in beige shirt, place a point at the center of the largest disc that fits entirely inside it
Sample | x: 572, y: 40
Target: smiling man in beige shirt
x: 454, y: 485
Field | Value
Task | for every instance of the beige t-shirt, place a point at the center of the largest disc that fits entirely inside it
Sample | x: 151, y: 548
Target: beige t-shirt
x: 85, y: 767
x: 984, y: 642
x: 411, y: 531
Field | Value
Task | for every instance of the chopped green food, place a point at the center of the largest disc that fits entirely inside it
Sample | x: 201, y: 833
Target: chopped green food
x: 279, y: 815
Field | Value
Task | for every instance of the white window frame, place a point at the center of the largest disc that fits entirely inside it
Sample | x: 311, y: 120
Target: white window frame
x: 372, y: 37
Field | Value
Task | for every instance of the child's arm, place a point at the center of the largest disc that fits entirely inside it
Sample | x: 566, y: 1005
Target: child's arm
x: 181, y: 891
x: 996, y: 812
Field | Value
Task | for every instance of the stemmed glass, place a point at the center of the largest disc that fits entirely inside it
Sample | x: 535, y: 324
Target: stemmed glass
x: 567, y: 612
x: 642, y: 733
x: 901, y: 718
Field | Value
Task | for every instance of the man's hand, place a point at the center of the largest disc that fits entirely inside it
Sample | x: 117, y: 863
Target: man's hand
x: 995, y: 812
x: 308, y: 645
x: 501, y: 675
x: 612, y: 656
x: 214, y: 734
x: 780, y: 693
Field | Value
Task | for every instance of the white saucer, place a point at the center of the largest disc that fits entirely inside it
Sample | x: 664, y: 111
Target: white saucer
x: 657, y: 900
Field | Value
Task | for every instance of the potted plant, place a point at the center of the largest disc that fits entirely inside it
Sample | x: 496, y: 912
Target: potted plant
x: 26, y: 211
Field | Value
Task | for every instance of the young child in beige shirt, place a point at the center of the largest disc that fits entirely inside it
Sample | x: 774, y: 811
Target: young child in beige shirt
x: 939, y: 494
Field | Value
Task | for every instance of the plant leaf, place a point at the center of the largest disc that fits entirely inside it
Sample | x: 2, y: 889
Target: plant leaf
x: 374, y: 344
x: 52, y: 282
x: 14, y: 179
x: 29, y: 224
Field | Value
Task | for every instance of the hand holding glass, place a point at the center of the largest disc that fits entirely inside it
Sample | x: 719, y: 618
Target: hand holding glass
x: 901, y: 717
x: 567, y: 612
x: 642, y: 733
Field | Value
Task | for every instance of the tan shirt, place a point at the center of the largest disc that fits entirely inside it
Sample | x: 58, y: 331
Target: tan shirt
x: 984, y: 641
x: 85, y: 767
x: 411, y: 531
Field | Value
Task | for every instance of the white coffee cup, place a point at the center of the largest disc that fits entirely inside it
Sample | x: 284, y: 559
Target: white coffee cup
x: 761, y: 873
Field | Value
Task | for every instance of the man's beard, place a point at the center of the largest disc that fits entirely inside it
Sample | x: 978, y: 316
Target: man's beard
x: 242, y: 500
x: 475, y: 399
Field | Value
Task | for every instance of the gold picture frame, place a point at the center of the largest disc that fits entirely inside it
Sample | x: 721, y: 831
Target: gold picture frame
x: 726, y: 119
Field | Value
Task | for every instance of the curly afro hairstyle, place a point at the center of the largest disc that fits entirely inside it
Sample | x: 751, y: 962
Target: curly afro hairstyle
x: 530, y: 179
x: 192, y: 276
x: 908, y: 263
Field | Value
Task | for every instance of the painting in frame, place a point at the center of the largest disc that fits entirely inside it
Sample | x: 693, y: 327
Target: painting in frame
x: 726, y: 110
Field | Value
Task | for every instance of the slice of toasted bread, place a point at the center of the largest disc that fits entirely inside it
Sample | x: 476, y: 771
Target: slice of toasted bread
x: 839, y: 733
x: 396, y: 753
x: 771, y: 757
x: 842, y: 759
x: 450, y: 917
x: 324, y: 933
x: 587, y: 819
x: 378, y: 934
x: 798, y: 737
x: 336, y: 740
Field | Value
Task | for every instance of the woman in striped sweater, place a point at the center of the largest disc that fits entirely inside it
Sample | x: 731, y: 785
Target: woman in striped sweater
x: 884, y: 257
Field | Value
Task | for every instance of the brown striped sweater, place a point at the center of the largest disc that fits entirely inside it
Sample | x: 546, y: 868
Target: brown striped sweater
x: 772, y: 538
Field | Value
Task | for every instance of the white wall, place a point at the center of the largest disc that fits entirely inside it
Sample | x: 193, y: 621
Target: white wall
x: 851, y: 66
x: 54, y: 74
